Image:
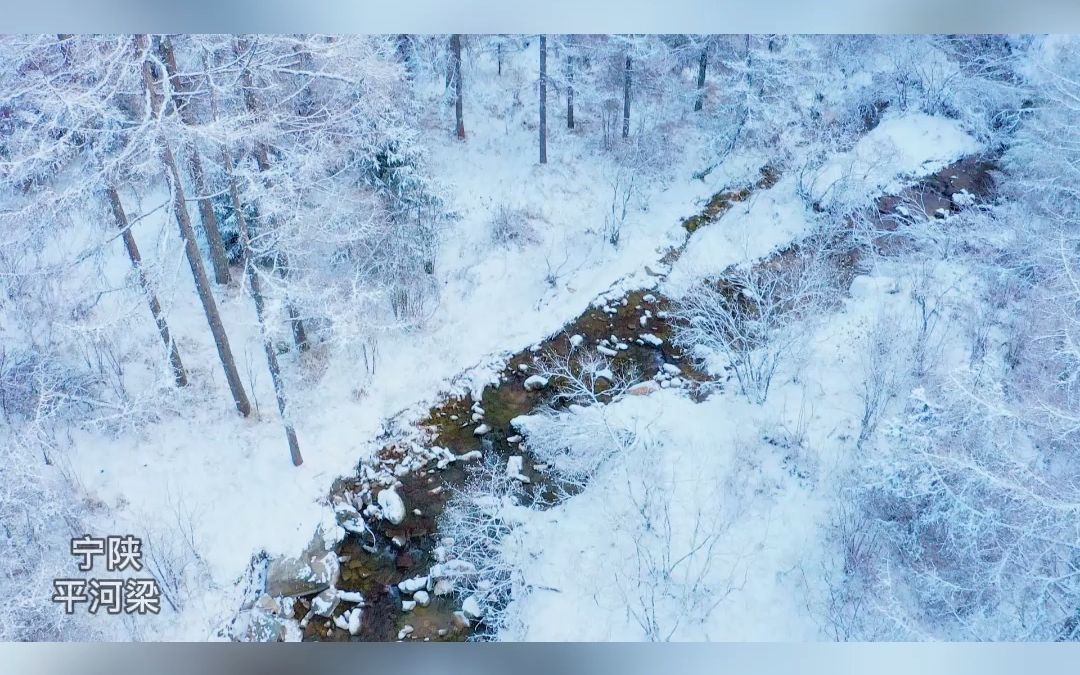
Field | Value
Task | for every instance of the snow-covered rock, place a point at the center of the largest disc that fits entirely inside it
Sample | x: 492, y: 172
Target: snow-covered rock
x: 315, y: 570
x: 257, y: 626
x: 576, y: 340
x: 535, y: 382
x: 342, y: 622
x: 413, y: 585
x: 348, y: 517
x: 269, y: 604
x: 651, y: 339
x: 514, y: 467
x: 471, y: 608
x: 643, y: 388
x: 393, y: 508
x: 355, y: 615
x: 422, y: 598
x: 351, y: 596
x: 325, y: 602
x: 481, y: 430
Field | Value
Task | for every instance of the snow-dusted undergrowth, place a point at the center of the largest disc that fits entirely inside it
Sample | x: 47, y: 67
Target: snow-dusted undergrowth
x: 824, y: 506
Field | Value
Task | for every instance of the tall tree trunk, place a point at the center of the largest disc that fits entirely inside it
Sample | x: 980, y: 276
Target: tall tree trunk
x: 404, y: 53
x: 65, y: 45
x: 702, y: 62
x: 498, y: 56
x: 202, y: 284
x: 455, y: 58
x: 218, y: 259
x: 198, y: 271
x: 262, y: 160
x: 260, y: 313
x: 543, y: 99
x: 179, y: 374
x: 749, y: 67
x: 626, y: 102
x: 569, y: 92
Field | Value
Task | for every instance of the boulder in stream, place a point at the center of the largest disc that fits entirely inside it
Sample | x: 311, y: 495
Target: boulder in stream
x: 254, y: 625
x: 393, y: 508
x: 644, y: 388
x: 471, y: 608
x: 326, y: 602
x: 315, y: 570
x: 535, y: 382
x: 413, y: 585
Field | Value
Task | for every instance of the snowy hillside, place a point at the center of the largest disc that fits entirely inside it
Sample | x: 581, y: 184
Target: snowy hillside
x: 777, y: 342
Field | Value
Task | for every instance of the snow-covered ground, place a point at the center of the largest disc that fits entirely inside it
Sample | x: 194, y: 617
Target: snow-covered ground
x: 892, y: 155
x: 230, y: 480
x: 761, y: 479
x: 737, y: 496
x: 741, y: 495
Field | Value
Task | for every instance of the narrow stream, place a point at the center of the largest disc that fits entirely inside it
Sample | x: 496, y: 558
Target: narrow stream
x: 636, y: 332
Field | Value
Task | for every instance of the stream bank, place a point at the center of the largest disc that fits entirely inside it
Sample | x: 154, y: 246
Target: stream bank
x: 392, y: 564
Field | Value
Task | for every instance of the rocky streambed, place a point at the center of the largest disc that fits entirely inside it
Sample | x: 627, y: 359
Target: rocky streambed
x: 391, y: 577
x: 394, y: 555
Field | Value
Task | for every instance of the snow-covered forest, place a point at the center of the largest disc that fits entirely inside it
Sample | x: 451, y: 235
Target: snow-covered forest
x: 544, y: 337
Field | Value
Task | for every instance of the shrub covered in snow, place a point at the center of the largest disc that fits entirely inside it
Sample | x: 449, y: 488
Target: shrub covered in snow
x: 755, y: 317
x: 512, y: 226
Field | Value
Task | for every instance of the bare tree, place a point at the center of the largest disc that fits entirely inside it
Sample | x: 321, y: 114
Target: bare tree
x: 404, y: 50
x: 569, y: 83
x: 755, y: 317
x: 255, y: 286
x: 191, y: 247
x: 626, y: 100
x: 543, y: 99
x: 260, y: 313
x: 702, y: 62
x: 180, y: 90
x: 850, y: 577
x: 584, y: 376
x: 883, y: 355
x: 179, y: 374
x: 982, y: 542
x: 671, y: 580
x: 262, y: 160
x: 455, y: 64
x: 477, y: 557
x: 171, y: 553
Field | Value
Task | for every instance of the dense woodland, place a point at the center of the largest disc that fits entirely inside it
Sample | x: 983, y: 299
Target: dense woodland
x: 307, y: 184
